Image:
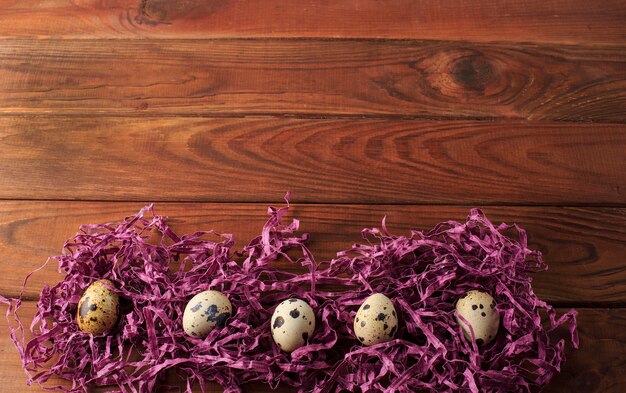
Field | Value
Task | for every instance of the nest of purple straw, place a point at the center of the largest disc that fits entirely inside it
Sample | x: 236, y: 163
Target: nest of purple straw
x: 423, y: 273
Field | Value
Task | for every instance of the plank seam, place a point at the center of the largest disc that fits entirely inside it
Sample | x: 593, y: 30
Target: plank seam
x: 107, y: 113
x: 279, y: 200
x: 228, y: 38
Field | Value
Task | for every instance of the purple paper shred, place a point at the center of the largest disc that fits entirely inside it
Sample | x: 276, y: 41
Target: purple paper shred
x: 156, y: 272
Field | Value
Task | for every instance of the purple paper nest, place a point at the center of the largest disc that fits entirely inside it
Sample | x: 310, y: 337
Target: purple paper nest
x: 424, y: 274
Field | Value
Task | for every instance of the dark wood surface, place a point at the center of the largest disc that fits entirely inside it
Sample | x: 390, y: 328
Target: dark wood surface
x: 578, y: 243
x: 557, y: 21
x: 417, y: 110
x: 331, y: 161
x: 312, y: 77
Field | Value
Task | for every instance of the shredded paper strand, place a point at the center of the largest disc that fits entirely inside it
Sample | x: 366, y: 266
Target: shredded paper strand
x: 156, y: 272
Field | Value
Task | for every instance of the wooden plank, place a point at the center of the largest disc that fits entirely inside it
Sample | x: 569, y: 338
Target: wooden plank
x: 596, y: 367
x: 563, y: 21
x: 334, y: 161
x: 426, y: 79
x: 584, y: 247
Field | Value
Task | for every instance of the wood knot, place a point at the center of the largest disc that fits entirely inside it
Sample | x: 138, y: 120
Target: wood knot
x: 472, y: 72
x: 166, y: 11
x: 469, y: 76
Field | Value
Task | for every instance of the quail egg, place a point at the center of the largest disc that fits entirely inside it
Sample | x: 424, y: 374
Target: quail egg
x: 376, y: 320
x: 204, y: 312
x: 479, y: 310
x: 293, y: 323
x: 98, y: 308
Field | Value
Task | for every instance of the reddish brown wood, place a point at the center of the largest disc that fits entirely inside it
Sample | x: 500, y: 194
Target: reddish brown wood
x: 347, y: 161
x: 584, y: 247
x: 427, y: 79
x: 596, y: 367
x: 564, y: 21
x: 91, y: 91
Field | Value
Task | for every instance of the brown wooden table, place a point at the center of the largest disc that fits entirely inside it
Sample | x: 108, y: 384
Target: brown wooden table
x: 417, y: 110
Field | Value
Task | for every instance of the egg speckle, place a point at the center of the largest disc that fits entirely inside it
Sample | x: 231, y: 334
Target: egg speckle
x: 376, y: 321
x: 98, y: 308
x: 479, y: 310
x: 292, y: 323
x: 204, y: 312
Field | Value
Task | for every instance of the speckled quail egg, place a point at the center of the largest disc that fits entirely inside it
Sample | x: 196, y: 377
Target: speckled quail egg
x: 293, y: 322
x: 376, y: 320
x: 204, y: 312
x: 479, y: 310
x: 98, y: 308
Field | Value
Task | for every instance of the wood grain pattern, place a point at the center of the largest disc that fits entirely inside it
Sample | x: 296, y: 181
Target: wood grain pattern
x: 426, y: 79
x: 564, y: 21
x: 583, y: 246
x: 345, y: 161
x: 596, y: 367
x: 417, y: 109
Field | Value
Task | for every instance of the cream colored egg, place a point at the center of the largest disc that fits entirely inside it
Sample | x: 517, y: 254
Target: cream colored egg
x: 376, y: 320
x: 204, y: 312
x: 479, y: 310
x: 293, y: 323
x: 98, y: 308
